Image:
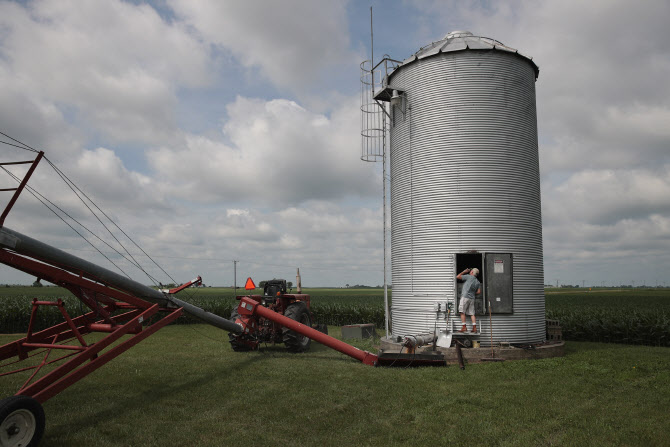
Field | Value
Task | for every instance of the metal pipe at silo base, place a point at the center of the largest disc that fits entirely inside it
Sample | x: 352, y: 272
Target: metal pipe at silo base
x: 27, y: 246
x: 415, y: 341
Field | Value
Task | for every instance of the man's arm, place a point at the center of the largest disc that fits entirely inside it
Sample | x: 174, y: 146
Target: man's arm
x: 460, y: 275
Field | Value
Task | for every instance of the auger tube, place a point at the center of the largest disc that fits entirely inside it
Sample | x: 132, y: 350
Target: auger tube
x: 27, y: 246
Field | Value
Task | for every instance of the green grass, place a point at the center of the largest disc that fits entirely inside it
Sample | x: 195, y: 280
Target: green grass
x: 185, y: 387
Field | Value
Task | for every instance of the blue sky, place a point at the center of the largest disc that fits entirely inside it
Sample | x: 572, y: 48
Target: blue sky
x: 216, y: 131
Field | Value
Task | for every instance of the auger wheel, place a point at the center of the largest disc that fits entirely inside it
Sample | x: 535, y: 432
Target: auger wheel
x: 21, y: 422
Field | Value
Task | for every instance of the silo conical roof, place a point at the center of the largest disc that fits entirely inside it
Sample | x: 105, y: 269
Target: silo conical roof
x: 461, y: 41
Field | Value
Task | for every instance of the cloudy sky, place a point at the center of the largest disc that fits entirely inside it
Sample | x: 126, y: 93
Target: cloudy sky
x: 214, y: 131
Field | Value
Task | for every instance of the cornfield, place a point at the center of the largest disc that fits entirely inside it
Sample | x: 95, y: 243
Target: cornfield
x: 15, y: 312
x: 614, y: 326
x: 640, y: 317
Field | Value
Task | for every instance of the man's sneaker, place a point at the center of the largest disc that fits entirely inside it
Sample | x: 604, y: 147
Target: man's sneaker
x: 463, y: 329
x: 474, y: 328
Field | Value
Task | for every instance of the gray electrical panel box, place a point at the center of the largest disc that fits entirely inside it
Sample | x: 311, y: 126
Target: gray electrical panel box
x: 498, y: 282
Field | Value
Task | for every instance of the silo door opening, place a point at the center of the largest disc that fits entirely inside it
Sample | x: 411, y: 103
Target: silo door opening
x: 496, y: 278
x: 469, y: 261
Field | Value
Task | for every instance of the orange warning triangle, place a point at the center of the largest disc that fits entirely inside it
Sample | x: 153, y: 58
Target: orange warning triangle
x: 250, y: 284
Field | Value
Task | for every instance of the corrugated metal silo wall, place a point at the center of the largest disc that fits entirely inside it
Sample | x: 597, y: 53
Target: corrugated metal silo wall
x: 465, y: 176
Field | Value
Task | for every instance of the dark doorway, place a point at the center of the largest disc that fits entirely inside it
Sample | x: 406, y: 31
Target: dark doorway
x: 465, y: 261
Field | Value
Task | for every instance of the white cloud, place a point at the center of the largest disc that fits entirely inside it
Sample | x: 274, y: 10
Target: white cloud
x: 100, y: 86
x: 278, y: 153
x: 35, y: 120
x: 115, y: 67
x: 608, y: 223
x: 629, y: 249
x: 103, y: 186
x: 292, y: 42
x: 603, y: 197
x: 85, y: 75
x: 325, y: 240
x: 101, y: 173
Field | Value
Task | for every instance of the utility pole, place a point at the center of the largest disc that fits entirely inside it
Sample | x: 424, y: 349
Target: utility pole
x: 235, y: 276
x: 557, y: 283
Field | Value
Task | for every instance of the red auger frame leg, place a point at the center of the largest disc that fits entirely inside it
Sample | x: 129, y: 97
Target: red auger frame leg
x: 113, y: 313
x: 83, y: 358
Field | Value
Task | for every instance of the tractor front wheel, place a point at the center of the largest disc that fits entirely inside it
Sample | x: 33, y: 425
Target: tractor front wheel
x: 21, y: 422
x: 294, y: 341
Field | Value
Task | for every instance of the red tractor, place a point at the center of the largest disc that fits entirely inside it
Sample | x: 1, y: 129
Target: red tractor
x: 262, y: 330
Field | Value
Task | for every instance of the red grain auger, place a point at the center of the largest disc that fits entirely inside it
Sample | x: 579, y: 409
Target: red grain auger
x: 125, y: 312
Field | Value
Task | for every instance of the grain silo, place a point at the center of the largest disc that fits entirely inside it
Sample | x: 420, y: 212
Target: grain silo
x: 460, y: 119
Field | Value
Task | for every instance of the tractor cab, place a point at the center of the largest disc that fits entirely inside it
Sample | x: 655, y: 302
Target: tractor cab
x: 273, y: 289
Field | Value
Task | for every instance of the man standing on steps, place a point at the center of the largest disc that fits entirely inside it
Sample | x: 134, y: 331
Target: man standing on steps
x: 471, y: 288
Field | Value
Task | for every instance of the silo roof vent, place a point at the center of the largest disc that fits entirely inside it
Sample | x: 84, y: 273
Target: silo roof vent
x: 461, y: 41
x: 453, y: 34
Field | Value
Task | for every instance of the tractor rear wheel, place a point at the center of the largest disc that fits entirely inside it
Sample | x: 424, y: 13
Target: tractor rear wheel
x: 21, y: 421
x: 234, y: 338
x: 294, y: 341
